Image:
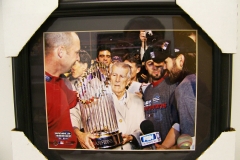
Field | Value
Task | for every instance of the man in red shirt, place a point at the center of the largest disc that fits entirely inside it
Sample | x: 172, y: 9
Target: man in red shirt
x: 61, y: 52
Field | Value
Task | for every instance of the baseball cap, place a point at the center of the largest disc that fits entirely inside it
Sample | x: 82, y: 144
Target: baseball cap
x: 158, y: 52
x: 186, y: 45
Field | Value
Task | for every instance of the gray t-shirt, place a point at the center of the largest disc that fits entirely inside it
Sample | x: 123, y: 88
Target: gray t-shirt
x: 158, y: 106
x: 185, y: 97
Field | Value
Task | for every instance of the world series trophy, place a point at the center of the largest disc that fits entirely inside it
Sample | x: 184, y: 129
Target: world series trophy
x: 97, y: 108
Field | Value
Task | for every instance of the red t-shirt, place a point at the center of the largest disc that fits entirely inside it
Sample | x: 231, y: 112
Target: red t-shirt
x: 59, y: 101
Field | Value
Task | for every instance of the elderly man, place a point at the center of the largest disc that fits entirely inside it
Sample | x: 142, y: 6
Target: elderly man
x: 61, y: 52
x: 129, y: 107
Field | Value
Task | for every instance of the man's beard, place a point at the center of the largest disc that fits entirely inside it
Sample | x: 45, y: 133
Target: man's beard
x: 174, y: 74
x: 161, y: 74
x: 173, y: 77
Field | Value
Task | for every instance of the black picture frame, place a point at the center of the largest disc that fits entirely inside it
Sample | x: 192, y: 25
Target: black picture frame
x: 23, y: 96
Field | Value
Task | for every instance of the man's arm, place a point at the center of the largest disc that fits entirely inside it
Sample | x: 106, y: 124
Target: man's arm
x: 170, y: 139
x: 75, y: 116
x: 85, y: 139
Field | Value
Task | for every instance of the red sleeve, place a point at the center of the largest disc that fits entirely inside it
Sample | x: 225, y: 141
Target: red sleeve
x: 71, y: 95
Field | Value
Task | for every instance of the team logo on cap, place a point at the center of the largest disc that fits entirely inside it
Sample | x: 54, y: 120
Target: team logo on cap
x: 165, y: 45
x: 152, y: 54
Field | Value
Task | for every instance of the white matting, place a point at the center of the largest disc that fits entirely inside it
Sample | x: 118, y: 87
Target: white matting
x: 222, y: 148
x: 21, y: 19
x: 23, y: 149
x: 218, y: 18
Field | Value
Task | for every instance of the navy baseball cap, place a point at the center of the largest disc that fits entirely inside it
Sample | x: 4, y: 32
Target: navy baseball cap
x: 186, y: 45
x: 158, y: 52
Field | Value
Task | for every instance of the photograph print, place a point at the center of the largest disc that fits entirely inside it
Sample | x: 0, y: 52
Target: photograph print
x: 121, y: 89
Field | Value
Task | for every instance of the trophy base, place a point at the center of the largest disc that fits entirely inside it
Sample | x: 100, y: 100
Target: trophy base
x: 108, y: 141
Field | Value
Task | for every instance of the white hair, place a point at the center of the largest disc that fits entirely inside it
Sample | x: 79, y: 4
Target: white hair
x: 122, y: 65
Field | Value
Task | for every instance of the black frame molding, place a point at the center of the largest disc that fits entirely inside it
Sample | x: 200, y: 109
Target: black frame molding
x: 222, y: 64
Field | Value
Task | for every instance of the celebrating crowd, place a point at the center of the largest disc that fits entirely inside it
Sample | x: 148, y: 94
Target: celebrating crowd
x: 158, y: 84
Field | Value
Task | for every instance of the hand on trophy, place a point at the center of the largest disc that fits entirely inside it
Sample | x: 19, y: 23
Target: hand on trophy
x: 126, y: 138
x: 85, y: 139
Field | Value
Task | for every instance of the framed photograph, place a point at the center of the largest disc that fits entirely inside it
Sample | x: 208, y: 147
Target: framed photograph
x: 112, y: 81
